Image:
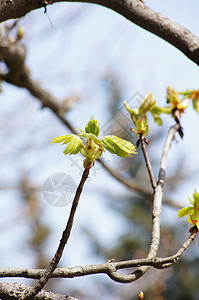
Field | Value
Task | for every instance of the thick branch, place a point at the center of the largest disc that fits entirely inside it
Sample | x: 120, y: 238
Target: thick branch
x: 11, y: 291
x: 134, y: 10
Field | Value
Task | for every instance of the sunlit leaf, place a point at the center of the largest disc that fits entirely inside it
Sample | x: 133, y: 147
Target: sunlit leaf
x: 118, y: 146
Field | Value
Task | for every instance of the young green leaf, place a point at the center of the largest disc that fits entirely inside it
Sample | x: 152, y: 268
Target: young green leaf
x: 147, y: 104
x: 196, y: 104
x: 191, y: 211
x: 91, y: 147
x: 185, y: 211
x: 73, y: 141
x: 118, y: 146
x: 60, y: 139
x: 92, y: 127
x: 74, y: 145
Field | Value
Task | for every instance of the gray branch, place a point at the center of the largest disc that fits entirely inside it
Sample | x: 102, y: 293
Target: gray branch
x: 134, y: 10
x: 108, y: 268
x: 12, y: 291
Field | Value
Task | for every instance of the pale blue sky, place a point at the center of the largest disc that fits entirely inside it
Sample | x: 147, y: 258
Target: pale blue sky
x: 69, y: 59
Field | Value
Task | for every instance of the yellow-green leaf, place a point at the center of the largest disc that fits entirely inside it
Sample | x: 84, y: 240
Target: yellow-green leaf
x: 59, y: 139
x: 147, y: 104
x: 185, y: 211
x: 118, y: 146
x: 92, y: 127
x: 73, y: 145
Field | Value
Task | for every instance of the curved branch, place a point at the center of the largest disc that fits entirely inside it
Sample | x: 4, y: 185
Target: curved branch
x: 108, y: 268
x: 134, y: 10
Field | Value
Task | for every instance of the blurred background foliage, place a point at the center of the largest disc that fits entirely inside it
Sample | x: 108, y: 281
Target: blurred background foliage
x: 95, y: 65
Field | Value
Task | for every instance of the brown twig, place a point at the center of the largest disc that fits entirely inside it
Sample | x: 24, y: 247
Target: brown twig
x: 147, y: 161
x: 65, y: 236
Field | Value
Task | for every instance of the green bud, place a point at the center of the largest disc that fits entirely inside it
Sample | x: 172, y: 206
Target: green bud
x: 194, y: 95
x: 147, y: 104
x: 196, y: 103
x: 191, y: 211
x: 118, y: 146
x: 92, y: 127
x: 91, y: 152
x: 88, y: 163
x: 187, y: 93
x: 172, y: 95
x: 130, y: 110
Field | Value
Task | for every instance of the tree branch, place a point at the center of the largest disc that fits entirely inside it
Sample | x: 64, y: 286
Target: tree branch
x: 134, y: 10
x: 65, y: 236
x: 147, y: 161
x: 156, y: 212
x: 11, y: 291
x: 157, y: 204
x: 107, y: 268
x: 176, y: 35
x: 14, y: 55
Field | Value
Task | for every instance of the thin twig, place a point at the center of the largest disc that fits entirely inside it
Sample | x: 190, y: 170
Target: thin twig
x: 147, y: 161
x: 167, y: 145
x: 167, y: 262
x: 156, y: 212
x: 65, y: 236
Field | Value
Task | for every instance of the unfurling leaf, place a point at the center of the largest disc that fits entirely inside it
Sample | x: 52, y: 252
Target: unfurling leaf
x: 73, y: 145
x: 73, y: 141
x: 147, y: 104
x: 60, y: 139
x: 118, y: 146
x: 92, y: 127
x: 191, y: 211
x: 172, y: 96
x: 91, y: 147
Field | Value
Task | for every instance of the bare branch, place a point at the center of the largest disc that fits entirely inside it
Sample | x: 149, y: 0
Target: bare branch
x: 108, y: 268
x: 14, y: 55
x: 147, y: 161
x: 133, y: 185
x: 170, y: 137
x: 157, y: 204
x: 11, y: 291
x: 156, y: 212
x: 65, y: 236
x: 134, y: 10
